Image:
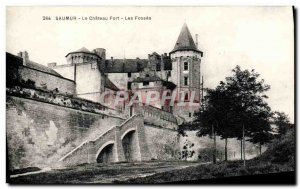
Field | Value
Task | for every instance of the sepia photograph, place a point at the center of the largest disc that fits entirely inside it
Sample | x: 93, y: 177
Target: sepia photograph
x: 150, y: 95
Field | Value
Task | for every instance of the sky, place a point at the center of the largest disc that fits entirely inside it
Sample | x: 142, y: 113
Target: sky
x: 259, y: 38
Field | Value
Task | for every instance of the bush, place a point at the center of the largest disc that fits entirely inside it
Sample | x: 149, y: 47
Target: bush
x: 281, y: 150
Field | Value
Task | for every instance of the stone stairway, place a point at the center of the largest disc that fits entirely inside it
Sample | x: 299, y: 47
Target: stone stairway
x: 88, y: 151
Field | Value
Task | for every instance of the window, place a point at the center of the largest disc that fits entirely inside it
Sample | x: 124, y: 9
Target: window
x: 158, y: 68
x: 186, y: 66
x: 94, y: 66
x: 186, y: 81
x: 145, y: 83
x: 129, y: 85
x: 186, y: 97
x: 129, y: 74
x: 147, y: 75
x: 169, y: 74
x: 190, y: 114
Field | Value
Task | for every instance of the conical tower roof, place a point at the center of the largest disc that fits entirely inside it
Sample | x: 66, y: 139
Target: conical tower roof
x: 81, y: 50
x: 185, y: 41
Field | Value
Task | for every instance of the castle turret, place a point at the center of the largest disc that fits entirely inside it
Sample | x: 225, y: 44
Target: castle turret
x: 186, y: 59
x: 83, y: 55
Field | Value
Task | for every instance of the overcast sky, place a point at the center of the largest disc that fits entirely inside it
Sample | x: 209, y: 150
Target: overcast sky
x: 259, y: 38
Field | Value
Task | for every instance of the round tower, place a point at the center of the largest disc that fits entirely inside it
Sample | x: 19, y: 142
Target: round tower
x: 186, y: 60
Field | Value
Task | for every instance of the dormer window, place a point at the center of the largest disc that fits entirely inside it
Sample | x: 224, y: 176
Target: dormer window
x: 186, y: 66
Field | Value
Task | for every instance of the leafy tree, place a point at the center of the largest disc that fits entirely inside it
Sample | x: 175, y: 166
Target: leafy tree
x: 261, y: 133
x: 213, y: 118
x: 237, y: 109
x: 282, y: 122
x: 247, y: 92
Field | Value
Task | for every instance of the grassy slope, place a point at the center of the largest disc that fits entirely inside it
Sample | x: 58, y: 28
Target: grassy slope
x: 278, y: 158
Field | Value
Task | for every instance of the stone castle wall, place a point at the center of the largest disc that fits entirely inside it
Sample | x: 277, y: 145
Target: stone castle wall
x: 163, y: 143
x: 39, y: 134
x: 68, y: 71
x: 156, y: 117
x: 201, y: 146
x: 46, y: 80
x: 161, y: 133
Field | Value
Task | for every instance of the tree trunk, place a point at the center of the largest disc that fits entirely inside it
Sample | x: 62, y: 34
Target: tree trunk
x: 215, y: 145
x: 259, y: 148
x: 225, y: 151
x: 244, y: 154
x: 241, y: 149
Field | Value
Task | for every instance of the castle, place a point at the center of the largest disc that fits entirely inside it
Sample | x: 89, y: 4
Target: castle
x: 93, y: 74
x: 59, y: 113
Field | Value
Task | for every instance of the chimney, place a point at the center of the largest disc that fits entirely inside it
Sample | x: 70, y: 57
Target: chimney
x: 101, y: 52
x: 24, y: 55
x: 112, y: 61
x: 197, y: 40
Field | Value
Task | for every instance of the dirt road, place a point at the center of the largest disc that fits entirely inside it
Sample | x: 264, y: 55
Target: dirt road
x: 99, y: 173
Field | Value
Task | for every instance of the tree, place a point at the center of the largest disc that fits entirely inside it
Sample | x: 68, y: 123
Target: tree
x: 282, y: 122
x: 213, y: 117
x: 247, y: 92
x: 261, y: 133
x: 238, y: 109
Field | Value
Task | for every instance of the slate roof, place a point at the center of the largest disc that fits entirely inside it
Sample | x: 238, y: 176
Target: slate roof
x: 82, y: 50
x: 185, y: 41
x: 41, y: 67
x: 109, y: 84
x: 150, y: 78
x: 124, y: 65
x: 168, y: 84
x: 10, y: 58
x: 13, y: 59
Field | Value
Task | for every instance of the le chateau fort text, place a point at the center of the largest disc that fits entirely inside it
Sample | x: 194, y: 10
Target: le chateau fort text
x: 97, y: 18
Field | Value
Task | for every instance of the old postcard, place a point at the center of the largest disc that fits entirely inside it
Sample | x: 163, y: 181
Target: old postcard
x: 147, y: 95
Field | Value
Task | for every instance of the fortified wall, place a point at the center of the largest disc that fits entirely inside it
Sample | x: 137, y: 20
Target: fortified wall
x: 42, y: 129
x: 161, y: 130
x: 39, y: 133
